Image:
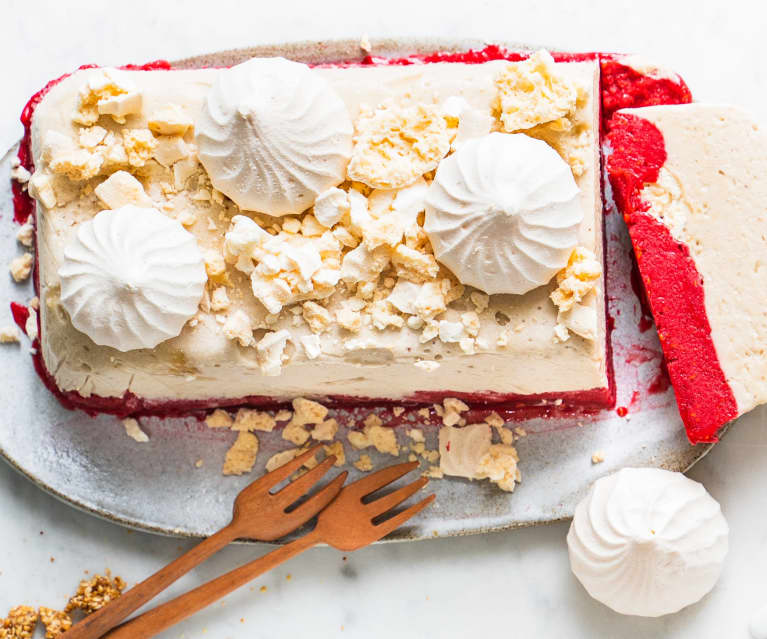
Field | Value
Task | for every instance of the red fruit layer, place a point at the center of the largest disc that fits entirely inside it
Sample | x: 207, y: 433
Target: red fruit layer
x: 617, y: 80
x: 671, y: 280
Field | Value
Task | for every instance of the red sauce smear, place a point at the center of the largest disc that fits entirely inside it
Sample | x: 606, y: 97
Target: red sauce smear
x: 614, y: 83
x: 673, y: 284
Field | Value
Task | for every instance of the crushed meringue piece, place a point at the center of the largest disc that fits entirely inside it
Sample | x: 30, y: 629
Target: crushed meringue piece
x: 249, y: 419
x: 325, y: 431
x: 169, y: 119
x: 241, y: 457
x: 133, y: 430
x: 120, y: 189
x: 364, y: 463
x: 533, y: 92
x: 21, y: 267
x: 576, y: 279
x: 219, y: 418
x: 395, y: 145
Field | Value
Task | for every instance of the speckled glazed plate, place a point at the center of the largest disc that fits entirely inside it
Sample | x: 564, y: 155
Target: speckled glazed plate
x: 157, y: 486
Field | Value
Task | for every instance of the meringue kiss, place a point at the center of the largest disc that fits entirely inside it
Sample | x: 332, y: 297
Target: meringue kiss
x: 273, y: 135
x: 503, y: 213
x: 131, y: 278
x: 647, y: 541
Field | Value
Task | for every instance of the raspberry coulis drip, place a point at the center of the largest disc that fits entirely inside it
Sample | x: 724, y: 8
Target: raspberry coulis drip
x: 672, y: 282
x: 616, y: 89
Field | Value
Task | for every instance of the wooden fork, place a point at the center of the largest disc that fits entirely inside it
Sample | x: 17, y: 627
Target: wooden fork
x: 258, y: 514
x: 347, y: 524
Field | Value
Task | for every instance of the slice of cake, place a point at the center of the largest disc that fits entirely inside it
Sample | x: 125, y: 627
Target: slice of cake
x: 248, y: 235
x: 690, y: 181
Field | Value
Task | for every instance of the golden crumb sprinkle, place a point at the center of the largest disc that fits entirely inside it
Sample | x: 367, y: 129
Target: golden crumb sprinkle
x: 56, y: 622
x: 337, y: 449
x: 219, y: 419
x: 20, y: 623
x: 241, y: 457
x: 96, y: 593
x: 364, y: 463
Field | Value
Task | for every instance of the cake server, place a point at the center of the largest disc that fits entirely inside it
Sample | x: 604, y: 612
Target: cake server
x: 348, y: 523
x: 258, y: 514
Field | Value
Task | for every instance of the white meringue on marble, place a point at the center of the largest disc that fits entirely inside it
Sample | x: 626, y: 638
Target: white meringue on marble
x: 503, y: 213
x: 273, y: 135
x: 647, y: 541
x: 131, y: 278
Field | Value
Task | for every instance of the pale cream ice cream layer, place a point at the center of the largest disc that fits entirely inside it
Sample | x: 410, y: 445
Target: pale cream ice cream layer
x: 712, y: 195
x: 515, y: 348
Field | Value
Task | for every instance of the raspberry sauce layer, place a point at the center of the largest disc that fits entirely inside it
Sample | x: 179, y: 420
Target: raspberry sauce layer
x: 512, y: 406
x: 672, y: 282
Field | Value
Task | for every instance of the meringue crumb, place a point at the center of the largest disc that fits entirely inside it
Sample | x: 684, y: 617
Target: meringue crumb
x: 219, y: 419
x: 383, y: 438
x: 94, y: 594
x: 598, y: 457
x: 494, y: 420
x: 134, y: 431
x: 283, y: 415
x: 26, y: 235
x: 506, y: 435
x: 576, y: 279
x: 416, y: 434
x: 241, y: 457
x: 358, y: 439
x: 364, y: 463
x: 21, y: 267
x: 365, y: 44
x: 56, y: 622
x: 424, y: 412
x: 532, y: 92
x: 520, y: 432
x: 325, y: 431
x: 307, y: 411
x: 280, y: 459
x: 398, y: 410
x: 169, y: 119
x: 433, y: 472
x: 121, y: 189
x: 248, y: 419
x: 295, y: 433
x: 9, y: 334
x: 337, y: 449
x: 394, y: 145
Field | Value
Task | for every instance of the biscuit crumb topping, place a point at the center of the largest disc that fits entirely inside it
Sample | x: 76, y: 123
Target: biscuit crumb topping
x: 93, y: 594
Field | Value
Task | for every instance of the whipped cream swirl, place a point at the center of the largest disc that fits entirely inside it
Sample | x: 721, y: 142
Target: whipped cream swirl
x: 647, y: 541
x: 131, y: 278
x: 273, y: 135
x: 503, y: 213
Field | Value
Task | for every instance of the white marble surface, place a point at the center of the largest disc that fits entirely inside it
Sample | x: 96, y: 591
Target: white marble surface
x: 514, y: 583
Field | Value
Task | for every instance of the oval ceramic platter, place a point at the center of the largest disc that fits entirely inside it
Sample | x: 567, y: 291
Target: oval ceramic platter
x: 162, y: 486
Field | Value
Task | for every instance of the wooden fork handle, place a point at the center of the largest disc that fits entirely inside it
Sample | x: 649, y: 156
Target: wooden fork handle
x: 100, y: 622
x: 165, y: 615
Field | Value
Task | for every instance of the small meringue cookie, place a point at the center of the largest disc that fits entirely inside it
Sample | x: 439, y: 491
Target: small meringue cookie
x: 503, y: 213
x: 273, y: 135
x: 131, y: 278
x: 647, y: 541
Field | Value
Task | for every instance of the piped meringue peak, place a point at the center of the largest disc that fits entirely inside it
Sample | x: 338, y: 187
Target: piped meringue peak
x: 273, y: 135
x: 131, y: 278
x: 647, y: 541
x: 503, y: 213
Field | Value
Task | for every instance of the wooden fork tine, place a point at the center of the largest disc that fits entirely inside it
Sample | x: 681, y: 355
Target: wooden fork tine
x: 387, y: 502
x: 286, y: 470
x: 382, y: 478
x: 317, y: 502
x: 385, y: 527
x: 301, y: 485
